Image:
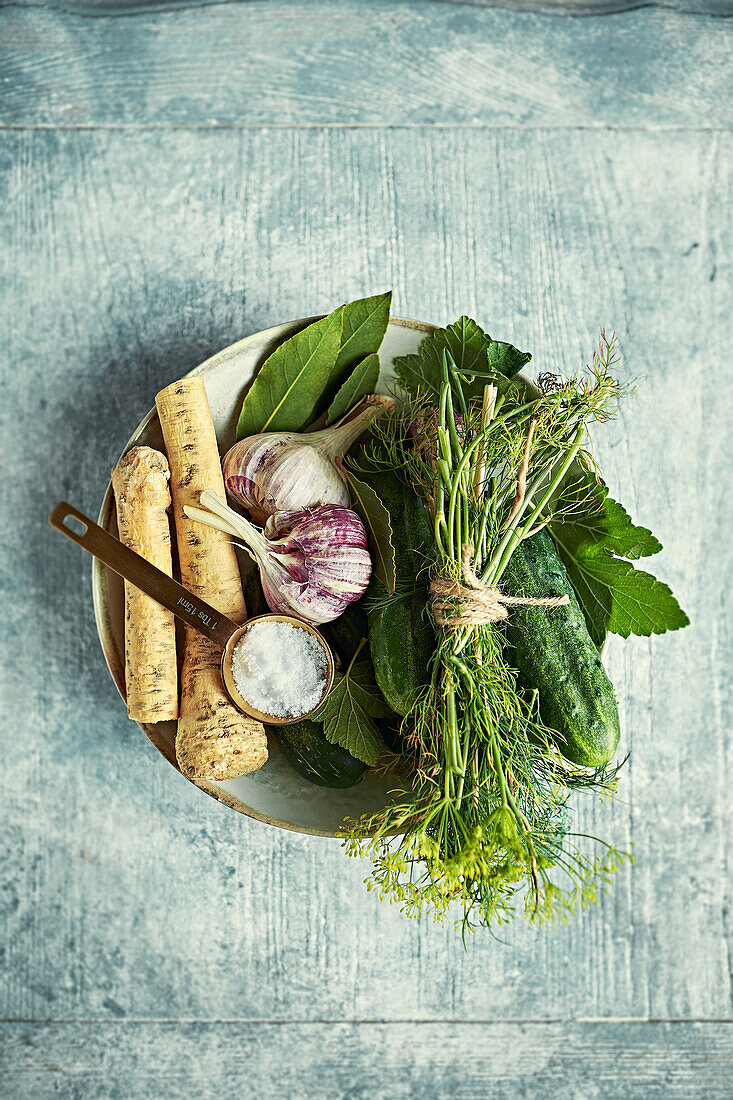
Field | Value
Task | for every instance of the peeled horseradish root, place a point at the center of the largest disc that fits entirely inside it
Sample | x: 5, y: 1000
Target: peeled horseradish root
x: 214, y: 740
x: 142, y: 499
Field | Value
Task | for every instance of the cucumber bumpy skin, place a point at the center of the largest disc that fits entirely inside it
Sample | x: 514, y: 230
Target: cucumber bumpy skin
x: 553, y: 652
x: 305, y: 747
x: 401, y: 642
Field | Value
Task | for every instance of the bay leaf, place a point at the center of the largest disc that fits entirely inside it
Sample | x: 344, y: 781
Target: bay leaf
x: 362, y: 380
x: 292, y: 379
x: 364, y: 323
x: 378, y: 524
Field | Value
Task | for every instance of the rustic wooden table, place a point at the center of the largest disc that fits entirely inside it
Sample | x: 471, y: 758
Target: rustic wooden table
x: 174, y: 176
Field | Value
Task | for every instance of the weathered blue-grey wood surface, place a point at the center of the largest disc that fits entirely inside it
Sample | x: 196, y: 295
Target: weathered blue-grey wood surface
x: 565, y: 7
x: 393, y: 1061
x: 154, y: 943
x: 370, y: 64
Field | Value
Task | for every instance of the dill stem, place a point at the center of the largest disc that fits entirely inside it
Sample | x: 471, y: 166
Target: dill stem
x: 444, y: 488
x: 496, y: 754
x: 518, y: 415
x: 454, y: 752
x: 449, y: 379
x: 438, y: 525
x: 547, y: 495
x: 511, y: 528
x: 458, y: 532
x: 442, y: 403
x: 456, y: 384
x: 531, y: 851
x: 451, y: 421
x: 518, y: 534
x: 454, y: 520
x: 483, y: 525
x: 478, y: 472
x: 464, y: 762
x: 466, y: 456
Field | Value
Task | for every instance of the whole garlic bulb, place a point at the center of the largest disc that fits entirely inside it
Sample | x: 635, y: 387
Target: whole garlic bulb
x: 287, y: 471
x: 313, y: 562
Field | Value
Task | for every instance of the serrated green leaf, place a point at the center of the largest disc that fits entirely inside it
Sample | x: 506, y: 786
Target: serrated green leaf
x: 465, y: 341
x: 348, y: 711
x: 599, y: 523
x: 364, y: 323
x: 598, y: 529
x: 506, y: 359
x: 617, y: 597
x: 621, y: 536
x: 292, y: 379
x: 376, y: 517
x: 362, y: 380
x: 472, y: 350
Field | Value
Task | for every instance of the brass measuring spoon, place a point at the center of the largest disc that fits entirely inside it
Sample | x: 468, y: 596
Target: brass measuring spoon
x: 191, y: 609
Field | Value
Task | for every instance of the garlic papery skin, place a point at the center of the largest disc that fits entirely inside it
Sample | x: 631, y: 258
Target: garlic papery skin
x: 285, y: 471
x: 313, y: 562
x: 276, y: 471
x: 331, y: 543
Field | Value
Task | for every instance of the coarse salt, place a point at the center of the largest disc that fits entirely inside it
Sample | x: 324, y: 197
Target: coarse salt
x: 280, y: 669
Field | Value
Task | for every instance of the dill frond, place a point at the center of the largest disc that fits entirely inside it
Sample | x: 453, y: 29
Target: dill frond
x: 483, y: 832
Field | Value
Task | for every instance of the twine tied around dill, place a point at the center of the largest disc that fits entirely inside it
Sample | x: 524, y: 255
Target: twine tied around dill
x: 474, y: 603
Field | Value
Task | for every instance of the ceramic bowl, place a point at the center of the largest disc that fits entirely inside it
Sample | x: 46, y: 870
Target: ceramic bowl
x: 276, y: 793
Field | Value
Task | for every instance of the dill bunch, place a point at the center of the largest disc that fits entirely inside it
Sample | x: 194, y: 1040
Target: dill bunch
x: 484, y: 830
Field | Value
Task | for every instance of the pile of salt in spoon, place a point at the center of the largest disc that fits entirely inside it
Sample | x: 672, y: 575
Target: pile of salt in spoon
x: 280, y: 669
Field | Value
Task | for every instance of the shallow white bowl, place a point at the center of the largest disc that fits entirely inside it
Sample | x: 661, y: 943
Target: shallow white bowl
x: 276, y: 793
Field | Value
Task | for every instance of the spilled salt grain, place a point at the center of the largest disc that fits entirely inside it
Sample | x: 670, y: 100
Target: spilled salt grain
x: 280, y: 669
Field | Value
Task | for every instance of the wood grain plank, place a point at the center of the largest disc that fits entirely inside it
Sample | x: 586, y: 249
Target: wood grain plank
x: 549, y: 7
x: 553, y: 1061
x: 128, y: 258
x: 342, y: 62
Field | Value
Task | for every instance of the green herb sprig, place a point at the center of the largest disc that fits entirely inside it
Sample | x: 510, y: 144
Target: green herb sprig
x: 486, y: 825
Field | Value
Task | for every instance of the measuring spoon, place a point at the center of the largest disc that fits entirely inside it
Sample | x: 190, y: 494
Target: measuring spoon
x: 191, y: 609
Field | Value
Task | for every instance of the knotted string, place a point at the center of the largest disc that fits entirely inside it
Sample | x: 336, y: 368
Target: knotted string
x: 474, y: 603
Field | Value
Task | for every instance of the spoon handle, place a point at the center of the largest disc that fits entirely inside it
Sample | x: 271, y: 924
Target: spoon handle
x: 152, y: 581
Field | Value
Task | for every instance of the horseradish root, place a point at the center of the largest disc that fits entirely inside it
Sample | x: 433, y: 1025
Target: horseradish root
x: 140, y: 483
x: 214, y: 740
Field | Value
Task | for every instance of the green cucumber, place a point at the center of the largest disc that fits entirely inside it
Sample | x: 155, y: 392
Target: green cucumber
x: 401, y: 638
x: 306, y: 749
x: 401, y: 644
x: 346, y: 634
x: 554, y: 653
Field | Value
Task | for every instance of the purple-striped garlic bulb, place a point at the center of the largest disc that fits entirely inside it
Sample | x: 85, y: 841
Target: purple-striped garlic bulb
x: 313, y: 562
x: 285, y: 471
